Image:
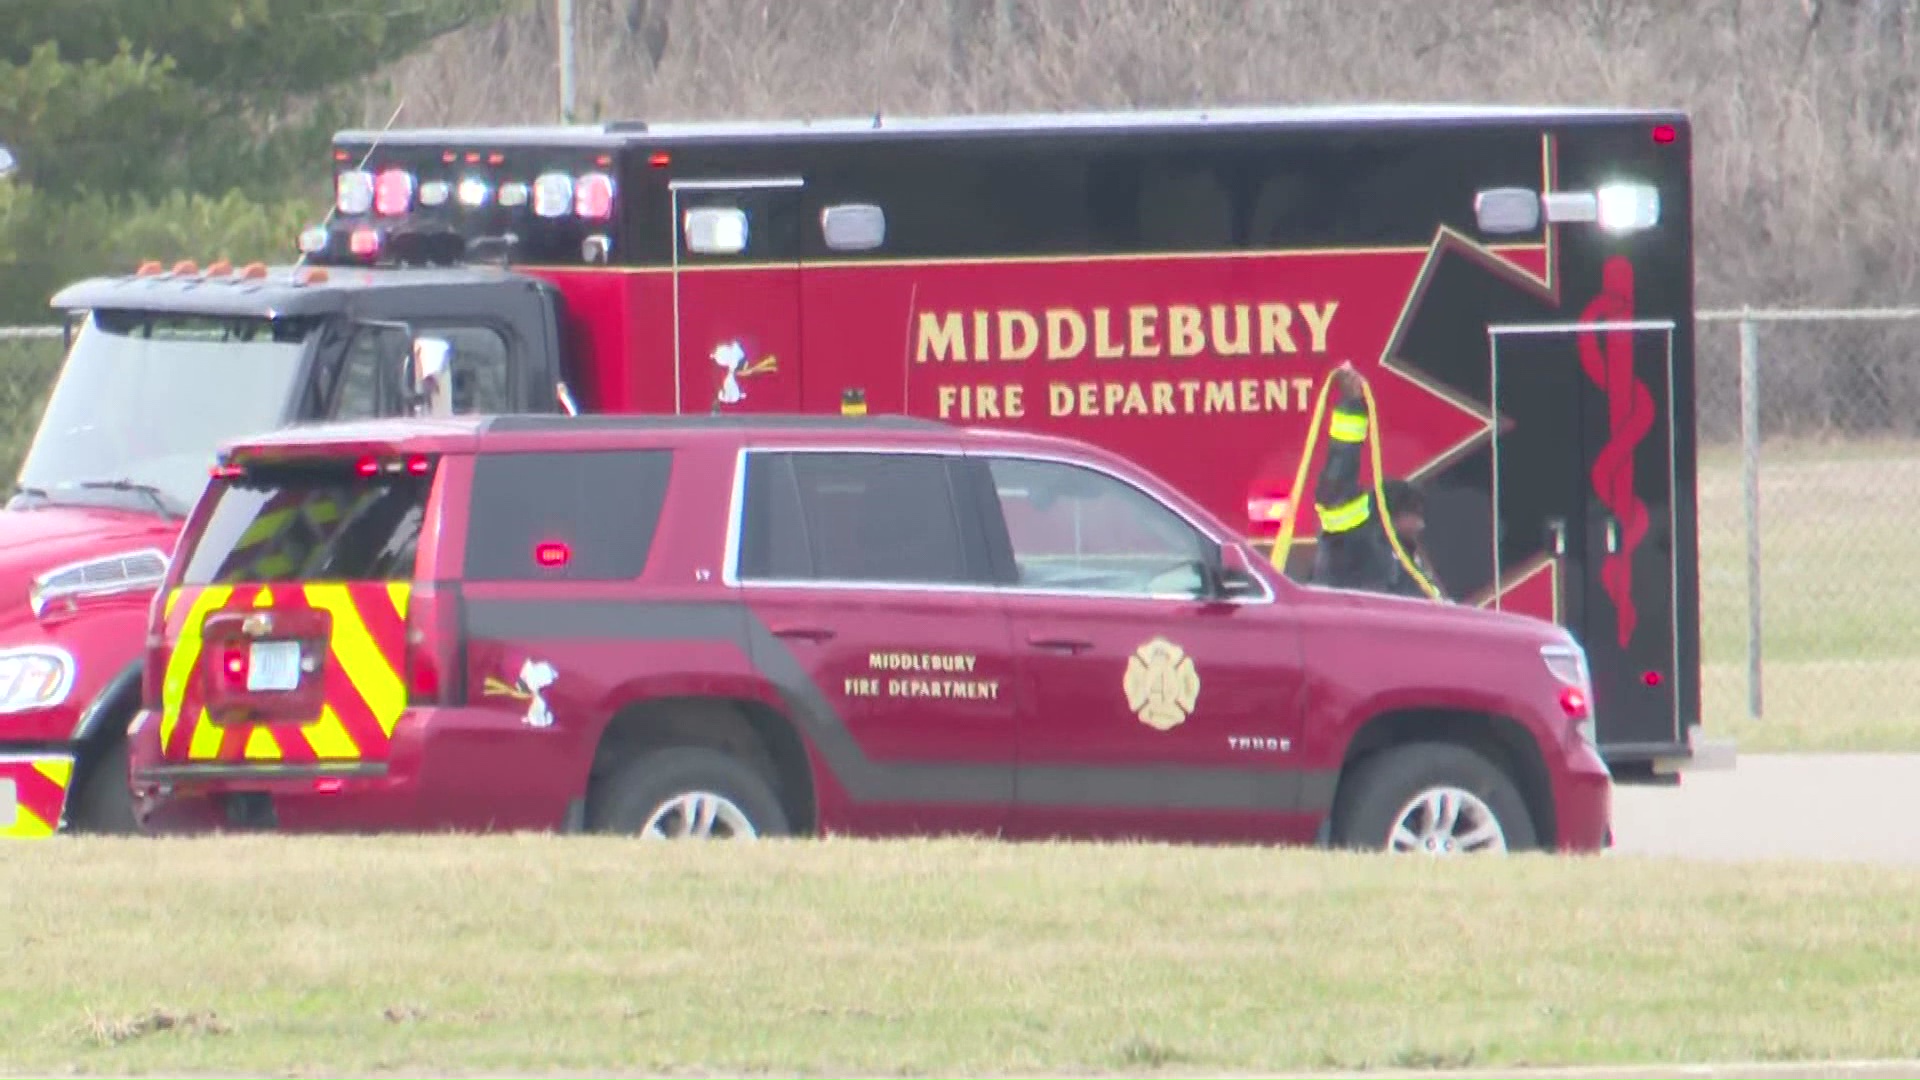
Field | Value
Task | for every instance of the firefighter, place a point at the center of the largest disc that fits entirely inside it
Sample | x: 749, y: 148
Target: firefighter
x: 1354, y: 551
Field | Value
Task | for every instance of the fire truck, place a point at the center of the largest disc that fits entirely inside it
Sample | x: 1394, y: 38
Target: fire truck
x: 1515, y: 284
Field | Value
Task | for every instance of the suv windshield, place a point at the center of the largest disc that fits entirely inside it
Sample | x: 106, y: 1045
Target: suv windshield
x: 146, y: 398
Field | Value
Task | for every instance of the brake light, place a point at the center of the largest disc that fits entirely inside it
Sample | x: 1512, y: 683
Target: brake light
x: 1573, y: 701
x: 1665, y: 133
x: 434, y: 672
x: 551, y: 553
x: 234, y: 662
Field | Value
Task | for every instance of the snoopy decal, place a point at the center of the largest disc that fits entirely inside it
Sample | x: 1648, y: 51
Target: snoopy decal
x: 535, y: 677
x: 732, y: 359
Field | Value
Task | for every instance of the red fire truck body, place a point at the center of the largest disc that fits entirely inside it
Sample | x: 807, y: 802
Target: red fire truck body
x: 1515, y: 284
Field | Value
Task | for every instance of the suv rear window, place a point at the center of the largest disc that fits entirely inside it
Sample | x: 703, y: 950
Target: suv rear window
x: 604, y: 506
x: 305, y: 522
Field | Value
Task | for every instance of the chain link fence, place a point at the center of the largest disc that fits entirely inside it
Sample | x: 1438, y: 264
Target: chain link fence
x: 1809, y: 446
x: 1809, y: 452
x: 29, y: 359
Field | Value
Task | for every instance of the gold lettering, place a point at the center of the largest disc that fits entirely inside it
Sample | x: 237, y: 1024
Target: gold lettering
x: 1319, y: 318
x: 1104, y: 347
x: 1166, y: 397
x: 1064, y: 319
x: 965, y: 689
x: 1237, y: 344
x: 980, y: 335
x: 1015, y: 407
x: 940, y: 336
x: 948, y: 396
x: 1184, y: 335
x: 887, y: 661
x: 1276, y: 322
x: 1140, y: 326
x: 1021, y: 347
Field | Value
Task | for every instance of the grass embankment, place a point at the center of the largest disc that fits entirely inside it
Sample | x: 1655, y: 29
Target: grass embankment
x: 1840, y: 597
x: 469, y: 956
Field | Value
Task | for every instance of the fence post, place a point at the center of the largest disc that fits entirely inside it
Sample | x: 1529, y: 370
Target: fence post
x: 1750, y: 485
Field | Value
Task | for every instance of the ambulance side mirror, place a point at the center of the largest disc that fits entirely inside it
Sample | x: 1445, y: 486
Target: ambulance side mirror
x: 430, y: 377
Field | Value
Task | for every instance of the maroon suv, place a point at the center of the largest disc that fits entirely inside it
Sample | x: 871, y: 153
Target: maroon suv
x: 748, y: 627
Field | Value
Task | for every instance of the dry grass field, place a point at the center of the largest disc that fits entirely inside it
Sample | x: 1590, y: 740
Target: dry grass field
x: 440, y: 956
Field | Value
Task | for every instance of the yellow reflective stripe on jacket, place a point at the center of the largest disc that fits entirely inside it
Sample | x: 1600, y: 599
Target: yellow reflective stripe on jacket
x: 1345, y: 517
x: 1347, y: 427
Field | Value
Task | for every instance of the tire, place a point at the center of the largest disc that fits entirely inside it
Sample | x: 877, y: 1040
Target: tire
x: 639, y: 798
x: 1390, y: 788
x: 102, y: 803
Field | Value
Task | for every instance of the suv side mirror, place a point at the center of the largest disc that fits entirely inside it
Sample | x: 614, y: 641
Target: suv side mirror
x: 1225, y: 575
x: 430, y: 377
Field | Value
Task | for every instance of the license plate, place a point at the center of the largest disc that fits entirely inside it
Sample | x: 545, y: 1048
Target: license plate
x: 273, y: 665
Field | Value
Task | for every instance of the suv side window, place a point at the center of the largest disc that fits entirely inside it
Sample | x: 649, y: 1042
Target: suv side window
x: 1075, y: 529
x: 603, y: 506
x: 482, y: 382
x: 368, y: 383
x: 365, y: 387
x: 856, y: 517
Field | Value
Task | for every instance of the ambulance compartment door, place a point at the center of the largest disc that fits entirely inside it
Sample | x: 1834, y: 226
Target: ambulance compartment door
x: 736, y: 294
x: 1584, y: 488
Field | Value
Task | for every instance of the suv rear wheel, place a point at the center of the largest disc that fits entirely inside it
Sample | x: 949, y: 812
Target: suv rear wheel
x: 686, y: 793
x: 1432, y: 798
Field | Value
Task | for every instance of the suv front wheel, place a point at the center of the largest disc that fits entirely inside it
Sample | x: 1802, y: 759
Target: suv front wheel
x: 686, y: 793
x: 1432, y: 798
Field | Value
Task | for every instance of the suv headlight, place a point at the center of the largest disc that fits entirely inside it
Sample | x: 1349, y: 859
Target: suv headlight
x: 34, y: 677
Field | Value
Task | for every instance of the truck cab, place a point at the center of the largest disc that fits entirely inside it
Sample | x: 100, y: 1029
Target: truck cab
x: 165, y: 364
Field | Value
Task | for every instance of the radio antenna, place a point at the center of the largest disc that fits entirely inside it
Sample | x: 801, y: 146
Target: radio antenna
x: 906, y: 354
x: 333, y: 205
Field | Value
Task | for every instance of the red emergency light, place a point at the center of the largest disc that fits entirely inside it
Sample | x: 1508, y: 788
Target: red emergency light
x: 551, y: 554
x: 1665, y: 133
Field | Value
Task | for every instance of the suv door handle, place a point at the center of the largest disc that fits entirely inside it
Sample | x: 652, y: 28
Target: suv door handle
x: 807, y: 633
x: 1059, y: 644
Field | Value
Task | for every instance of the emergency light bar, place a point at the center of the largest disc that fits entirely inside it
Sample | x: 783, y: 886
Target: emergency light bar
x: 554, y: 194
x: 1616, y: 208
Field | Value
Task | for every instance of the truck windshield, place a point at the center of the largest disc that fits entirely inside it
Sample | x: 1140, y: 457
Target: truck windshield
x: 145, y: 399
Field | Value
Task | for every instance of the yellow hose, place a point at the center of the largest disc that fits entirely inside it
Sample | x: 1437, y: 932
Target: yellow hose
x: 1283, y: 544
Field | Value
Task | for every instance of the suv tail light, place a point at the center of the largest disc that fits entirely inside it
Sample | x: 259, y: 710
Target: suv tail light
x: 435, y: 674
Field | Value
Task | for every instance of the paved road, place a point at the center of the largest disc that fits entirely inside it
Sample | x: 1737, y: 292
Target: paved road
x: 1812, y: 806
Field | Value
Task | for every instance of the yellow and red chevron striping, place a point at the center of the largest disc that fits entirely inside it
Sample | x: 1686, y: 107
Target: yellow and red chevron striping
x: 39, y: 794
x: 363, y: 690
